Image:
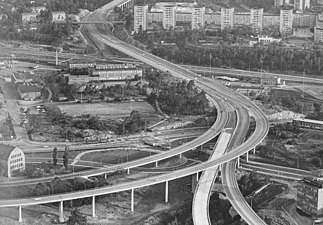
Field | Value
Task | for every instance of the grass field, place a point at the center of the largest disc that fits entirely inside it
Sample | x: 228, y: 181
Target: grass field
x: 114, y: 157
x: 107, y: 109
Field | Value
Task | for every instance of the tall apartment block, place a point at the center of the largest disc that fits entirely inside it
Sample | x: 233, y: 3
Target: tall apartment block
x: 227, y: 15
x: 301, y: 4
x: 140, y: 17
x: 310, y: 196
x: 256, y: 16
x: 169, y: 16
x: 318, y: 29
x: 286, y: 21
x: 198, y: 15
x: 279, y: 3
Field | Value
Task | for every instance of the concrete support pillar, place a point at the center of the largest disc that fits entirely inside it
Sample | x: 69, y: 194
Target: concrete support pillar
x: 20, y: 214
x: 247, y: 157
x: 238, y: 162
x: 61, y: 215
x: 156, y: 164
x: 254, y: 150
x: 166, y: 191
x: 93, y: 206
x: 128, y: 171
x: 180, y: 155
x: 105, y: 176
x: 132, y: 199
x: 197, y: 176
x: 194, y: 182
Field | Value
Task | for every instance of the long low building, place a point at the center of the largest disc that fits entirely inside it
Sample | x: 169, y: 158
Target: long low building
x: 106, y: 75
x: 306, y: 123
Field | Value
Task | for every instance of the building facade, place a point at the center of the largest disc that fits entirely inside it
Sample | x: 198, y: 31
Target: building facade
x: 29, y: 17
x: 241, y: 19
x: 310, y: 196
x: 140, y: 17
x: 29, y: 91
x: 227, y: 15
x: 256, y: 17
x: 11, y: 159
x: 318, y: 29
x: 58, y: 17
x: 271, y: 20
x: 169, y: 16
x: 286, y: 21
x: 198, y: 15
x: 213, y: 18
x: 108, y: 72
x: 301, y: 4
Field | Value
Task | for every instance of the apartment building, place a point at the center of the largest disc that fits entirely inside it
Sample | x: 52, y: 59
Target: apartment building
x: 227, y: 15
x: 213, y: 18
x: 256, y: 19
x: 310, y: 196
x: 140, y: 17
x: 286, y: 21
x: 198, y: 15
x: 241, y: 19
x: 301, y: 4
x: 169, y: 16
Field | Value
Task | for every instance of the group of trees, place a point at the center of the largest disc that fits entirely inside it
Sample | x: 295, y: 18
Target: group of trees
x: 57, y: 186
x: 47, y: 32
x: 182, y: 98
x: 132, y: 124
x: 273, y: 58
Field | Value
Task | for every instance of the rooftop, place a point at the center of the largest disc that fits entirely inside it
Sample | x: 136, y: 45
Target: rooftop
x: 5, y: 151
x: 28, y: 87
x: 60, y: 12
x: 310, y: 121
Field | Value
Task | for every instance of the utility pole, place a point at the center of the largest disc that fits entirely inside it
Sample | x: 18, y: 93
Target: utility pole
x: 56, y: 58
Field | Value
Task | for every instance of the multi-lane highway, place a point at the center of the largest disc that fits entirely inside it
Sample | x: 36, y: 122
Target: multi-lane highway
x: 212, y: 88
x: 200, y: 205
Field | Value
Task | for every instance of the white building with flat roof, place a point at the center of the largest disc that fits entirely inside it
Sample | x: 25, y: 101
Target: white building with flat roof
x: 227, y: 15
x: 140, y: 17
x: 256, y: 17
x: 198, y: 15
x: 169, y: 16
x: 286, y: 21
x: 58, y: 17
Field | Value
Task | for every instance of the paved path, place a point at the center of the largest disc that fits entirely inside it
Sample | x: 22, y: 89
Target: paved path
x: 13, y: 109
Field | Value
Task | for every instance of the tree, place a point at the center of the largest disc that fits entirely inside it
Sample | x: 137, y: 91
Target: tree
x: 65, y: 157
x: 76, y: 218
x: 317, y: 107
x: 317, y: 162
x: 55, y: 156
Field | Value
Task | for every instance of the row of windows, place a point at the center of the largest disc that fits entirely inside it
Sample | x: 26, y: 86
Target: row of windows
x: 15, y: 160
x: 15, y: 155
x: 19, y: 165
